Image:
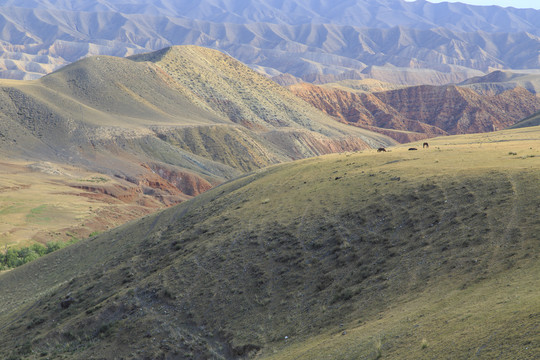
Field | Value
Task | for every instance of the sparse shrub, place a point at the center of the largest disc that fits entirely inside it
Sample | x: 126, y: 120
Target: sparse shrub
x: 167, y: 294
x: 343, y: 295
x: 25, y: 349
x: 106, y: 330
x: 512, y: 153
x: 35, y: 322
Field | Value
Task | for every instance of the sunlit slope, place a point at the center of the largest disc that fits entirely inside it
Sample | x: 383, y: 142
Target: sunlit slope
x: 162, y: 128
x: 213, y: 79
x: 402, y: 254
x: 108, y: 99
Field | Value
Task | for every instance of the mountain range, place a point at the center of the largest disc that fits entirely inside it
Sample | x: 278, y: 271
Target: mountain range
x: 392, y: 40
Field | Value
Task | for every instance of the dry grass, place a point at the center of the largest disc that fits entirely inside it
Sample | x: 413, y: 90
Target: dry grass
x: 413, y: 254
x: 38, y: 203
x: 362, y: 86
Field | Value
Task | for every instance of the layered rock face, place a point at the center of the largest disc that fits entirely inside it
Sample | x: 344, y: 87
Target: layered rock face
x: 426, y: 111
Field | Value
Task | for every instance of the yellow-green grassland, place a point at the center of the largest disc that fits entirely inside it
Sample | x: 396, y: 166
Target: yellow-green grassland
x: 405, y: 254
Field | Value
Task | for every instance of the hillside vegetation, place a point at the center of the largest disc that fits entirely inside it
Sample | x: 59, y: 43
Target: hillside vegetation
x: 400, y: 254
x: 158, y: 129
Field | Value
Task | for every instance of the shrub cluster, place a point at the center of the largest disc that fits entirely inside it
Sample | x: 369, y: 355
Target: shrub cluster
x: 17, y: 257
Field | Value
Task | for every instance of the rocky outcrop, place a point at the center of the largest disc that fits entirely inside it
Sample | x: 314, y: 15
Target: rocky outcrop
x: 186, y: 182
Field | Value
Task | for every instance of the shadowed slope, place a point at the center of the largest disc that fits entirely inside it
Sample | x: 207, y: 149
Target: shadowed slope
x: 388, y: 245
x: 533, y: 120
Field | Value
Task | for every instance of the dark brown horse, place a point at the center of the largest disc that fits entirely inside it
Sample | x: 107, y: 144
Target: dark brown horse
x: 413, y: 149
x: 381, y: 149
x: 425, y: 145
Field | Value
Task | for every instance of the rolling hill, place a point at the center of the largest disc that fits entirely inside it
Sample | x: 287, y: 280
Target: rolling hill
x: 533, y: 120
x: 155, y: 130
x: 396, y: 41
x: 401, y: 255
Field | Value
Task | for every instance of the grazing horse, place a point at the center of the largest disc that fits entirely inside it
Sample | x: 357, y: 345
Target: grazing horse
x: 425, y: 145
x: 413, y: 149
x: 381, y: 150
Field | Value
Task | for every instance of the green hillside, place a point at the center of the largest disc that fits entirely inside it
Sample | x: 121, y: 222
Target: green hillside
x: 394, y: 255
x: 533, y: 120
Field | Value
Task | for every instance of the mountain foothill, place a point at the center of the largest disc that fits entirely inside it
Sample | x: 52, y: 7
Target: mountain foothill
x: 401, y: 254
x: 137, y: 134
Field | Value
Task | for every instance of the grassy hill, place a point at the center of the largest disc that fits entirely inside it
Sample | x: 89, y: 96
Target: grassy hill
x: 533, y: 120
x: 402, y: 254
x: 160, y: 128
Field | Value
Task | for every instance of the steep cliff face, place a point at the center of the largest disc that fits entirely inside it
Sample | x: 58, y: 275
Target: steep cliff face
x: 425, y: 111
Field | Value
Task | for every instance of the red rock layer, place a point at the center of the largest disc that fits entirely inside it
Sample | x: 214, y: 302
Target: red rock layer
x: 428, y: 110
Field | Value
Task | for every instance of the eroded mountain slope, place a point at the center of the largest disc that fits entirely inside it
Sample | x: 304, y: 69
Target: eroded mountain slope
x: 424, y: 111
